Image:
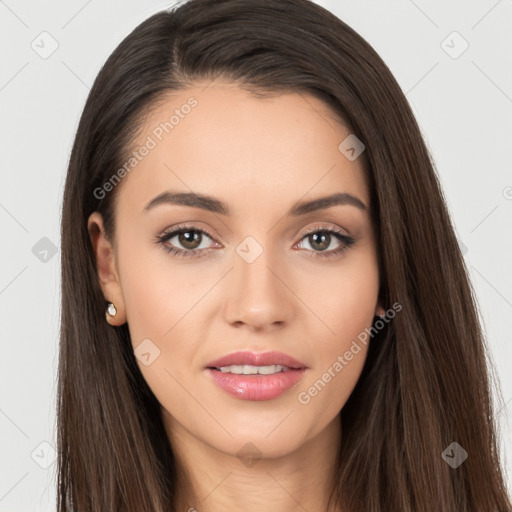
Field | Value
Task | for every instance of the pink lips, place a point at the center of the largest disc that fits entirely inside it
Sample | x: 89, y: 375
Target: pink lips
x: 256, y: 387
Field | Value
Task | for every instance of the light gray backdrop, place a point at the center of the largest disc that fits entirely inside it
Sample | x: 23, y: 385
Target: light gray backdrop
x: 52, y: 52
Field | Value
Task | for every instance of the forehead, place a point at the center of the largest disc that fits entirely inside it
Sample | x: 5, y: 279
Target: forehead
x: 221, y: 140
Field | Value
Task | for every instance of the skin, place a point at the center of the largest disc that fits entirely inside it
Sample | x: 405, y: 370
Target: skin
x: 260, y: 156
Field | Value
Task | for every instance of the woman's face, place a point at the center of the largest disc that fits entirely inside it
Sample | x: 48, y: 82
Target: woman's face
x: 248, y: 276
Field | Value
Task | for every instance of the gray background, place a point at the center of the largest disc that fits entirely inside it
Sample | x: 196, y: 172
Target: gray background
x: 463, y: 104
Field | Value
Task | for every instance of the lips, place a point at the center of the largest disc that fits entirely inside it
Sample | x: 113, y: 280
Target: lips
x: 257, y: 359
x: 256, y: 387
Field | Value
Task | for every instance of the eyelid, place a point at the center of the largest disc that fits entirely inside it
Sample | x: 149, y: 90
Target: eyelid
x: 175, y: 230
x: 328, y: 227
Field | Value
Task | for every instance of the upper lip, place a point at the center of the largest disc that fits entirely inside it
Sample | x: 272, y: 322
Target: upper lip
x: 257, y: 359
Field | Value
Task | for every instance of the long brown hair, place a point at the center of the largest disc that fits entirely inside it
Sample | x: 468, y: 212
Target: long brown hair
x: 425, y: 383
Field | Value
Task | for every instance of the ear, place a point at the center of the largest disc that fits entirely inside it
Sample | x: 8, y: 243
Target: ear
x: 106, y: 268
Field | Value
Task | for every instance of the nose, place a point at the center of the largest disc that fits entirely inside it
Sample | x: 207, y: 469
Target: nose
x: 259, y: 294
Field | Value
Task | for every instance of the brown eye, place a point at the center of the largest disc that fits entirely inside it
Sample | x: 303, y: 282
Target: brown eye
x: 190, y: 239
x: 186, y: 241
x: 320, y: 240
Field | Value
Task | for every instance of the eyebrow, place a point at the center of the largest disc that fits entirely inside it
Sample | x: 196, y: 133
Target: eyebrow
x: 214, y: 205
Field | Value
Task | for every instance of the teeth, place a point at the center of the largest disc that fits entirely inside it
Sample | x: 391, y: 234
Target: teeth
x: 247, y: 369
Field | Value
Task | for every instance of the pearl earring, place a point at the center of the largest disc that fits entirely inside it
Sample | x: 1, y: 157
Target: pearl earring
x: 111, y: 309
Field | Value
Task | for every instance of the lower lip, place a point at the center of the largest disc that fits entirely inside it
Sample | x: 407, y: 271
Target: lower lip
x: 256, y: 387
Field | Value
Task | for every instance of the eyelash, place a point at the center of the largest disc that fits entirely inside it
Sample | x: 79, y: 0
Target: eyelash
x: 347, y: 240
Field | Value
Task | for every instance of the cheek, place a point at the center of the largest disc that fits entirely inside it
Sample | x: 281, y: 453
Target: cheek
x: 345, y: 299
x: 153, y: 296
x: 158, y: 307
x: 160, y: 299
x: 346, y: 305
x: 147, y: 306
